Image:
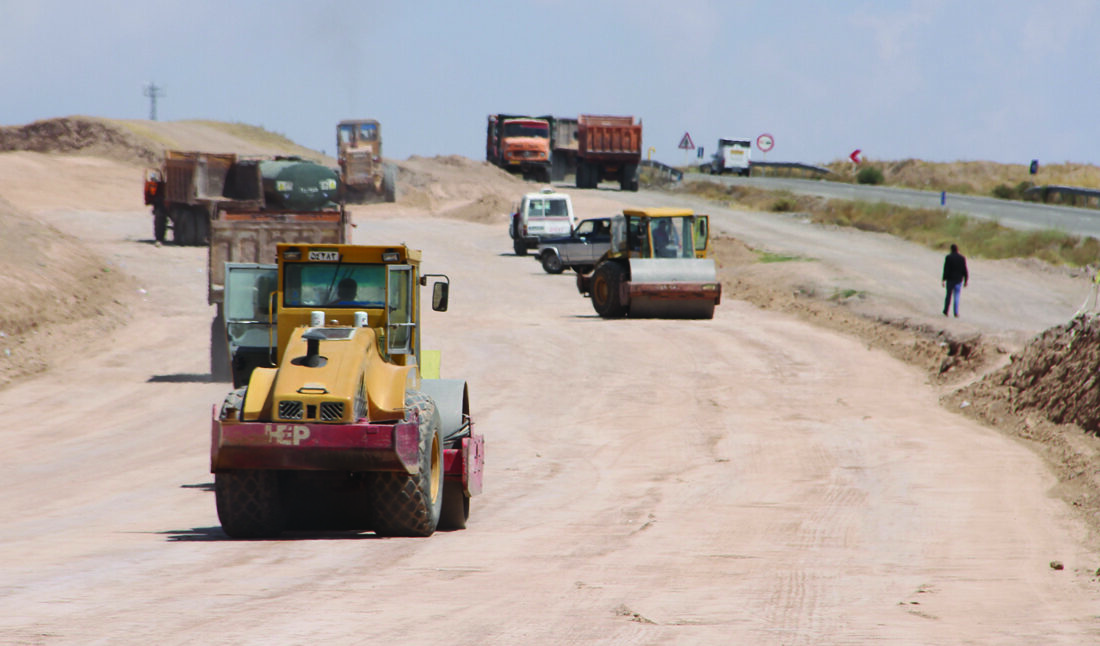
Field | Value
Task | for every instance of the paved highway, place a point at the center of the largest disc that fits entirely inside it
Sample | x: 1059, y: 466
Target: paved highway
x: 1018, y: 215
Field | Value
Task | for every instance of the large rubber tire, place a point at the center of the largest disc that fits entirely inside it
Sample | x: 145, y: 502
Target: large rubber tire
x: 410, y: 505
x: 551, y: 262
x: 519, y: 246
x: 160, y: 224
x: 181, y: 226
x: 389, y: 183
x: 202, y: 227
x: 605, y: 290
x: 582, y: 174
x: 628, y: 179
x: 456, y: 507
x: 249, y: 504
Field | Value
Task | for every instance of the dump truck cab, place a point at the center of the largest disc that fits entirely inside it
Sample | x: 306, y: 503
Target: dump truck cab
x: 656, y: 266
x: 342, y: 420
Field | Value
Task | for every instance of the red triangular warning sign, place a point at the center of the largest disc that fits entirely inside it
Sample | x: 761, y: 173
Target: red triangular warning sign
x: 686, y: 143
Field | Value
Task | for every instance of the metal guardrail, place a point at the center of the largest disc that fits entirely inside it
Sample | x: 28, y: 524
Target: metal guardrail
x: 1069, y: 195
x: 672, y: 173
x: 790, y: 166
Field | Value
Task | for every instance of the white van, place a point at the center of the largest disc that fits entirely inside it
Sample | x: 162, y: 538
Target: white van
x: 546, y: 214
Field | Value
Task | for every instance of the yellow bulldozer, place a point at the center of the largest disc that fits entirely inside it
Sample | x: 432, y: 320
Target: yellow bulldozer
x: 341, y: 421
x: 656, y: 267
x: 364, y: 176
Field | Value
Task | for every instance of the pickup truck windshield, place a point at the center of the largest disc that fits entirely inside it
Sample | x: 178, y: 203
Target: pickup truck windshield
x: 317, y: 284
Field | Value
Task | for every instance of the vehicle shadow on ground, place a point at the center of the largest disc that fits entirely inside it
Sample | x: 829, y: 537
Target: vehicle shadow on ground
x: 181, y: 378
x: 217, y: 534
x: 205, y: 486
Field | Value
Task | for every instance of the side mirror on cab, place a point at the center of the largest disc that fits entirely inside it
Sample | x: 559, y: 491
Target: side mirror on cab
x: 440, y: 291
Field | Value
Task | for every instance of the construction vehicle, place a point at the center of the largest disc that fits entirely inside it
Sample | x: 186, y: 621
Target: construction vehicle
x: 191, y: 190
x: 241, y: 208
x: 579, y: 250
x: 365, y: 177
x: 347, y: 425
x: 608, y: 148
x: 520, y: 145
x: 656, y: 267
x: 732, y: 156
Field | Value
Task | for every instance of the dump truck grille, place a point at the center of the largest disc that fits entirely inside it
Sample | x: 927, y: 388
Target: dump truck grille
x: 332, y: 411
x: 290, y: 410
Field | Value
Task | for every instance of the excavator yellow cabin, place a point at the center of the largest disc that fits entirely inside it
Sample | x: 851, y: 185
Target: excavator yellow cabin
x: 340, y: 420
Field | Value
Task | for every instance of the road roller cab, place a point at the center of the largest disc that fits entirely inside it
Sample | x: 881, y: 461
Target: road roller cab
x: 657, y: 267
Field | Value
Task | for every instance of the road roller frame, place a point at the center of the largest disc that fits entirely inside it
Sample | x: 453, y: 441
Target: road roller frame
x: 657, y: 267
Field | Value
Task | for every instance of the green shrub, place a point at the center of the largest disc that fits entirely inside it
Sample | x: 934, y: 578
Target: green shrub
x: 869, y: 175
x: 1003, y: 192
x: 783, y: 205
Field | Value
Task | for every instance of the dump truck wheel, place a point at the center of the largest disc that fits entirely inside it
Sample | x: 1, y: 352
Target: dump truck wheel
x: 160, y: 224
x: 551, y: 262
x: 202, y: 227
x: 605, y: 290
x: 410, y: 505
x: 181, y: 226
x: 456, y: 507
x: 248, y: 502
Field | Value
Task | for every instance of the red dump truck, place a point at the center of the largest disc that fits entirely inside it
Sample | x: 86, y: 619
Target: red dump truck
x: 608, y: 148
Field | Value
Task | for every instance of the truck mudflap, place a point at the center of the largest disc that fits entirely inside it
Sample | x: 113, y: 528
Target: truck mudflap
x: 466, y: 463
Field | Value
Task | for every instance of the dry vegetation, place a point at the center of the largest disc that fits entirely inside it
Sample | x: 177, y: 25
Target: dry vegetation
x: 969, y: 177
x: 931, y: 227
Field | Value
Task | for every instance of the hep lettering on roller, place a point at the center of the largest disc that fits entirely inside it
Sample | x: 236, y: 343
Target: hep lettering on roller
x: 286, y: 434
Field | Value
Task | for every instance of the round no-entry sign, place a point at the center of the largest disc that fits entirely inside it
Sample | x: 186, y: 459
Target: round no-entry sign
x: 765, y: 142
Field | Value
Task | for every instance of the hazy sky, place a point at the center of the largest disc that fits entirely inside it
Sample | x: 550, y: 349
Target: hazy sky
x: 1001, y: 80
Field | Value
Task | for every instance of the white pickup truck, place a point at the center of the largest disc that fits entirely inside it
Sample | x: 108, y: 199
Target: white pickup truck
x: 539, y: 216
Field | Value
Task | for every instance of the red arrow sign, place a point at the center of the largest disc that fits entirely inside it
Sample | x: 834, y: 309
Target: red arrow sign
x: 855, y: 156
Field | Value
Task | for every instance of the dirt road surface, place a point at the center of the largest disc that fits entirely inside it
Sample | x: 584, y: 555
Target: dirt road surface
x: 747, y: 480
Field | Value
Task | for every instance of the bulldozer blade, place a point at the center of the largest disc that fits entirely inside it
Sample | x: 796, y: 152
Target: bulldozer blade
x: 673, y: 288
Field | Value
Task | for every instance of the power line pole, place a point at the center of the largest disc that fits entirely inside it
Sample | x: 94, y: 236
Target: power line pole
x: 153, y: 92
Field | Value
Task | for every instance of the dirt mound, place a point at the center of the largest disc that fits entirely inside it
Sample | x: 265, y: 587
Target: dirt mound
x: 458, y: 187
x: 1055, y: 375
x: 83, y: 135
x: 57, y: 295
x: 143, y: 142
x: 1047, y: 396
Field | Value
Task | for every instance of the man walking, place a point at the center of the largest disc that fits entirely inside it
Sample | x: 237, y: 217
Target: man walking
x: 955, y: 277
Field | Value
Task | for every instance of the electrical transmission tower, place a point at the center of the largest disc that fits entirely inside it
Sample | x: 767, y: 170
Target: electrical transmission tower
x: 153, y: 92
